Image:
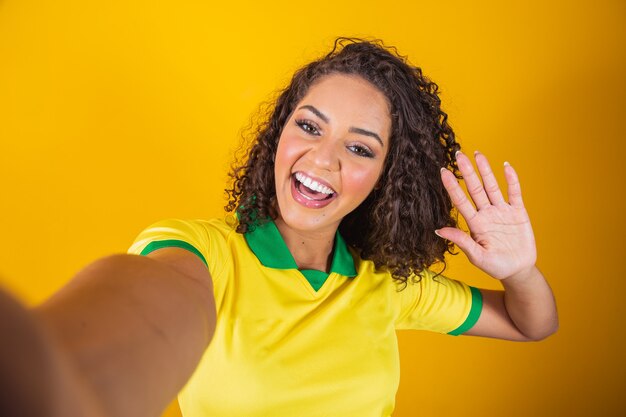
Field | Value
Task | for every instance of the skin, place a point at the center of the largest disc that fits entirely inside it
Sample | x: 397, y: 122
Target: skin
x: 501, y: 240
x: 124, y: 336
x: 502, y: 244
x: 132, y: 324
x: 324, y: 139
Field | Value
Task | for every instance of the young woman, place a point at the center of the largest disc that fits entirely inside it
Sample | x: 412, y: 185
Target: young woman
x: 290, y: 305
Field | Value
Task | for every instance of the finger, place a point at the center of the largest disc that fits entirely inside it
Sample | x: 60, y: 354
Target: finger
x: 457, y: 195
x: 472, y: 181
x: 462, y: 240
x: 489, y: 179
x: 514, y: 189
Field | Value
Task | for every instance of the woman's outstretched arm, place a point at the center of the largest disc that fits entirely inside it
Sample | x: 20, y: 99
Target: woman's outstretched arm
x: 133, y: 328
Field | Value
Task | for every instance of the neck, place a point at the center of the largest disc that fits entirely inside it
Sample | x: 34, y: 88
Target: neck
x: 310, y: 250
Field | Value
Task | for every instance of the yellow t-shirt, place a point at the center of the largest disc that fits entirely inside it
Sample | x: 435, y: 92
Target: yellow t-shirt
x: 302, y: 343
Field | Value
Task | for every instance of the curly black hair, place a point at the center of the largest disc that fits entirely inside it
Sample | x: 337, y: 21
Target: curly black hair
x: 394, y: 227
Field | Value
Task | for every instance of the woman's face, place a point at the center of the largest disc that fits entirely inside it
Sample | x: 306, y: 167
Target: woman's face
x: 331, y: 152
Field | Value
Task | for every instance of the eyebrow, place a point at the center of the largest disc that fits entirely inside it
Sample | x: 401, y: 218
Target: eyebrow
x: 316, y: 111
x: 367, y: 133
x: 357, y: 130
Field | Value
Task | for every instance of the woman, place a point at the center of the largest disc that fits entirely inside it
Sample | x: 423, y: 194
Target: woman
x: 291, y: 307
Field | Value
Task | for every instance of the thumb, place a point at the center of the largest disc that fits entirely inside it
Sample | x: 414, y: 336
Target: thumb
x: 462, y: 240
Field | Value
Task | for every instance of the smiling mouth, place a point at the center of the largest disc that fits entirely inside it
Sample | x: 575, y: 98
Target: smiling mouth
x: 311, y: 189
x: 310, y: 193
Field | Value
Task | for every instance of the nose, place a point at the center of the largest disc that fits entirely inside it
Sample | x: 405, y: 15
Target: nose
x: 325, y: 155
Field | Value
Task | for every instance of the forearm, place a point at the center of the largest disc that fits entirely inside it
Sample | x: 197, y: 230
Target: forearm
x: 530, y: 303
x: 135, y: 329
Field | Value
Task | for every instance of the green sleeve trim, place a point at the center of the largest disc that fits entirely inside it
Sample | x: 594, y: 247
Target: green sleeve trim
x: 474, y: 314
x: 159, y: 244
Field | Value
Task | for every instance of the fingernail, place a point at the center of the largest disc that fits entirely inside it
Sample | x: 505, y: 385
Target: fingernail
x: 476, y: 153
x: 506, y: 164
x: 442, y: 169
x: 456, y: 154
x: 437, y: 233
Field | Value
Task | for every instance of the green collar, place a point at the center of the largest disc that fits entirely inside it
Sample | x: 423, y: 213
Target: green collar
x: 271, y: 250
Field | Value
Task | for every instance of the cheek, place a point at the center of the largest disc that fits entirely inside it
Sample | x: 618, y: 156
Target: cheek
x: 361, y: 180
x: 286, y: 153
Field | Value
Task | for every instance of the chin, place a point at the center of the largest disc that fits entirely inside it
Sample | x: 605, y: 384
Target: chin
x: 311, y: 220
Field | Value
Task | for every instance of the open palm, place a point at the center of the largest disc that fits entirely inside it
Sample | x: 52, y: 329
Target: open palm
x: 501, y: 240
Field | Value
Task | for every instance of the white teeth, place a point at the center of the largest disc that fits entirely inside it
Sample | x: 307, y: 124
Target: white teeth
x: 313, y: 185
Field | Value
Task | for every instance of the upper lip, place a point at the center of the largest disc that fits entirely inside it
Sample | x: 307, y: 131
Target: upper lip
x: 316, y: 179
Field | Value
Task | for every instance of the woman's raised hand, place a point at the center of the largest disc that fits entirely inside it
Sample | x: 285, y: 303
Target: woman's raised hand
x: 501, y: 240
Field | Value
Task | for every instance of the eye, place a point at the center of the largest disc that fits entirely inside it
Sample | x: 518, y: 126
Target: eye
x: 361, y: 150
x: 308, y: 126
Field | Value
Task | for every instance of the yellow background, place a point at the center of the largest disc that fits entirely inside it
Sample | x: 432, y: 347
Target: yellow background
x: 95, y: 95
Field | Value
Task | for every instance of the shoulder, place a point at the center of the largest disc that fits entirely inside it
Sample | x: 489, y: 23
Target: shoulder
x: 427, y: 301
x: 192, y: 231
x: 207, y: 238
x: 422, y: 280
x: 373, y: 276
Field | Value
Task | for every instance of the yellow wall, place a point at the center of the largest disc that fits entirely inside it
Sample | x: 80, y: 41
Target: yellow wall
x: 94, y: 95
